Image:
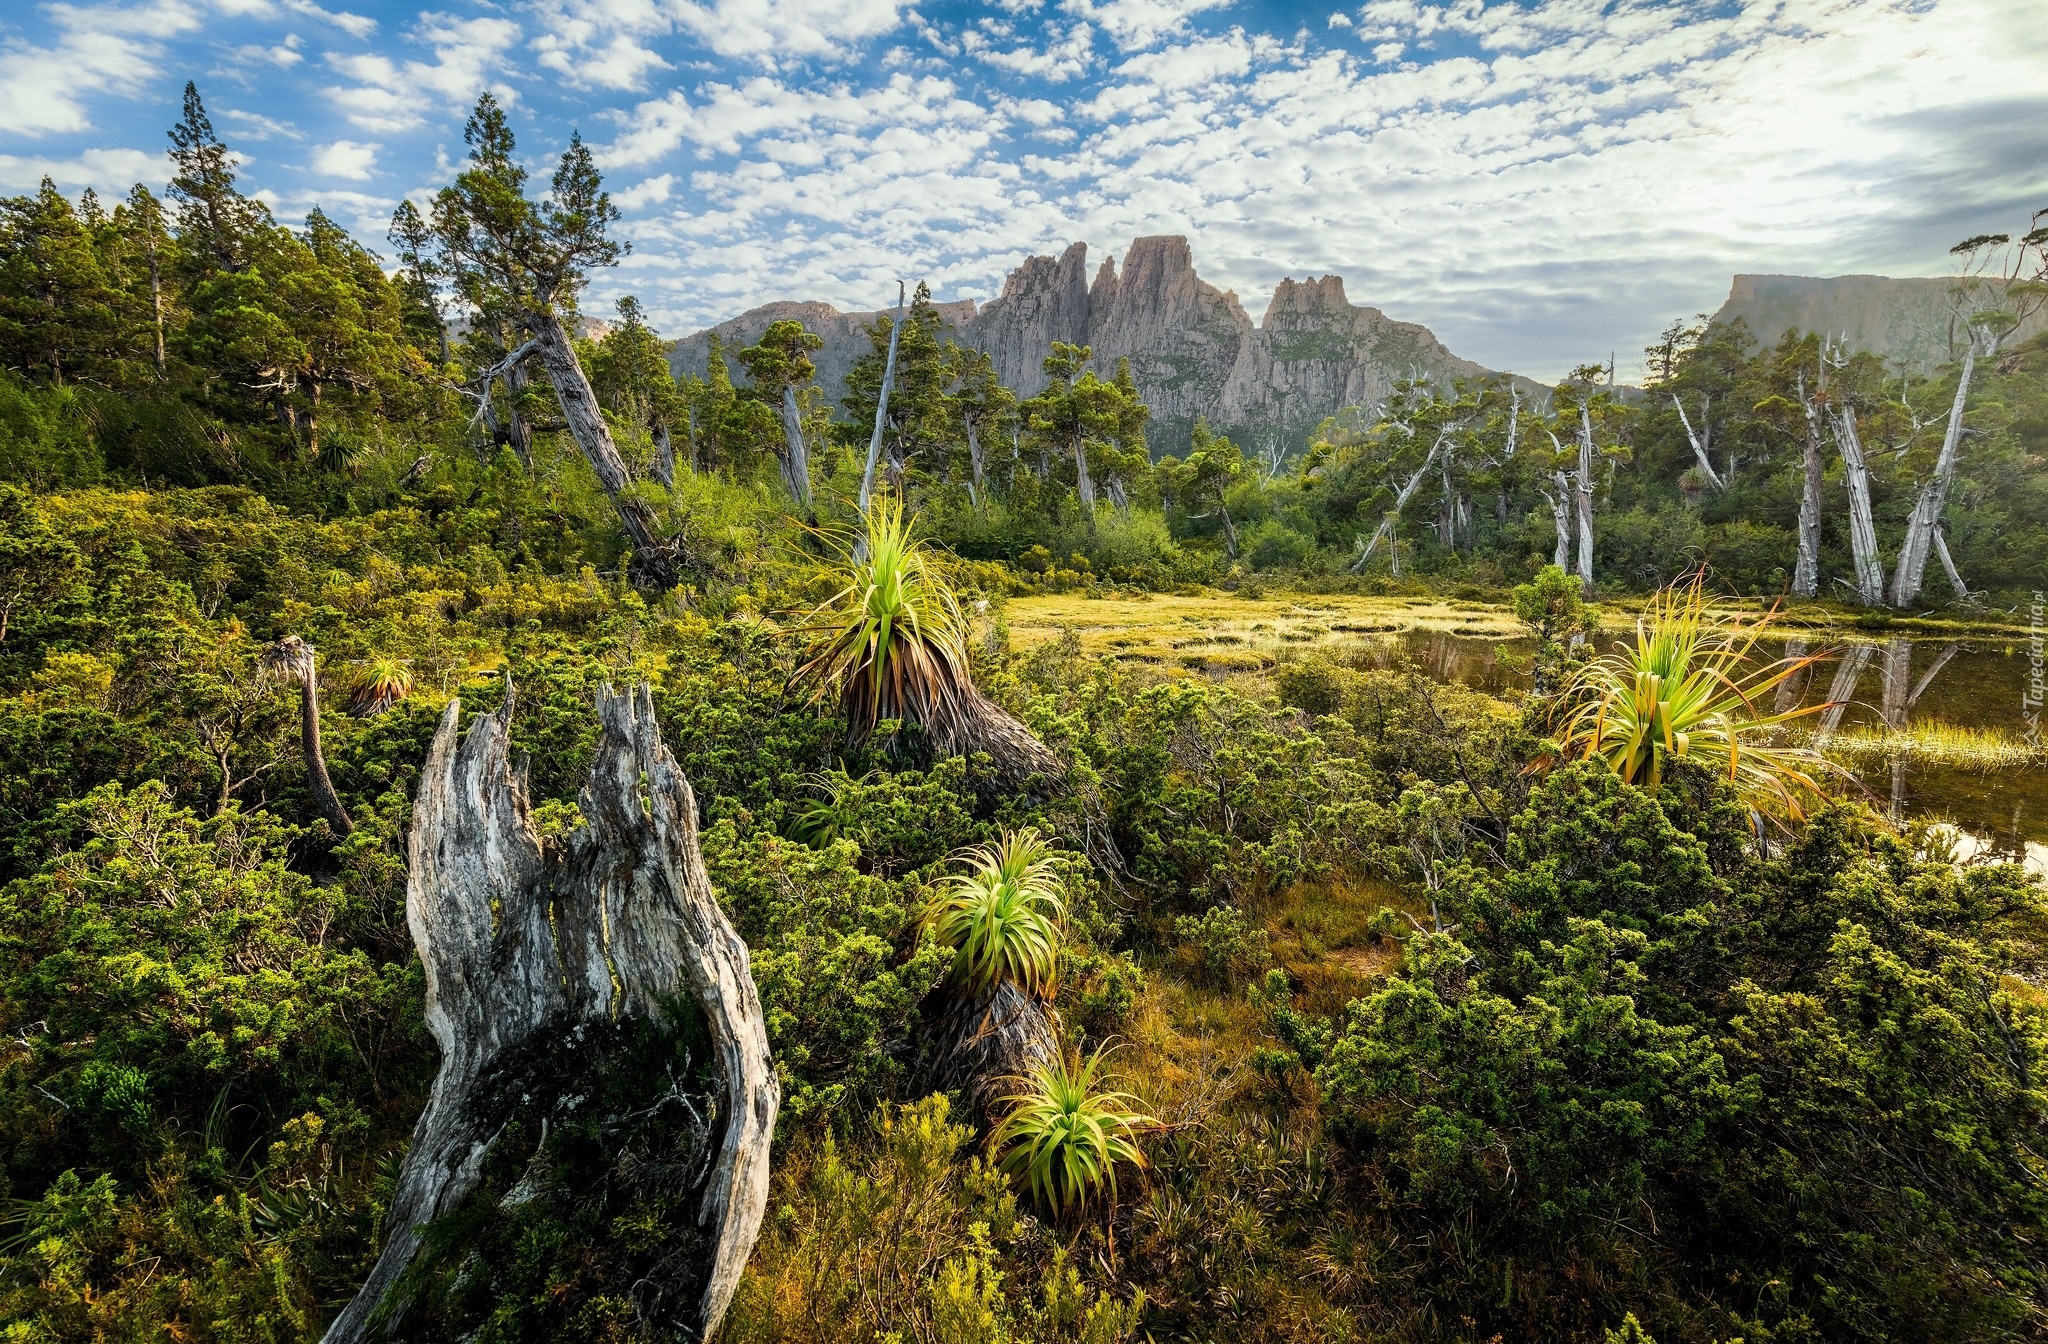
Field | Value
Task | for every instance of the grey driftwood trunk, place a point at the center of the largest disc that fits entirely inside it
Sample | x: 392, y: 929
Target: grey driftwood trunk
x: 524, y: 941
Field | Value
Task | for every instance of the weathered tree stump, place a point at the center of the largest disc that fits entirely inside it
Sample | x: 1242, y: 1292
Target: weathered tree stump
x: 525, y: 941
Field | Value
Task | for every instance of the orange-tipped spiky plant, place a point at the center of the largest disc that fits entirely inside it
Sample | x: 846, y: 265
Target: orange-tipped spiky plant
x: 893, y: 640
x: 1685, y: 690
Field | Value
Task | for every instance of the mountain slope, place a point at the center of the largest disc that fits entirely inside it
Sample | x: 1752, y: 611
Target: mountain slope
x: 1193, y: 349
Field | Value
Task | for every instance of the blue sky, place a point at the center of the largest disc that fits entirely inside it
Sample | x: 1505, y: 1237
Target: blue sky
x: 1540, y: 181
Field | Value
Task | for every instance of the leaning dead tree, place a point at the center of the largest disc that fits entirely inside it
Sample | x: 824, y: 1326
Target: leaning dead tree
x: 1401, y: 497
x: 528, y: 944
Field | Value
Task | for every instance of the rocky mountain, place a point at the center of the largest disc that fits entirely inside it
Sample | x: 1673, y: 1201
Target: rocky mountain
x: 1193, y: 349
x: 1906, y: 321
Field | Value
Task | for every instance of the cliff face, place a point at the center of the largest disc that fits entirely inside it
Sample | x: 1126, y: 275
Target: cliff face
x: 1194, y: 351
x: 1906, y: 321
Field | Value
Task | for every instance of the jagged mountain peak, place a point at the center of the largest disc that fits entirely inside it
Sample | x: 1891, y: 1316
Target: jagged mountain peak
x: 1193, y: 349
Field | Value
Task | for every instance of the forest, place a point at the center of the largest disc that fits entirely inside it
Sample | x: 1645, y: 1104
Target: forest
x: 501, y: 842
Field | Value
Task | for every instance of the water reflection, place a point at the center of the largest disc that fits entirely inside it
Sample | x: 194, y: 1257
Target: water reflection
x: 1886, y: 694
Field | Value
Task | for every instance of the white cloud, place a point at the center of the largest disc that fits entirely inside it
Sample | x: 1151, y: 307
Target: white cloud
x: 346, y: 158
x: 244, y: 125
x: 1137, y: 24
x: 110, y: 172
x: 622, y: 63
x: 366, y: 215
x: 1339, y: 19
x: 774, y: 31
x: 283, y: 55
x: 98, y: 49
x: 387, y: 96
x: 1064, y: 56
x: 653, y: 191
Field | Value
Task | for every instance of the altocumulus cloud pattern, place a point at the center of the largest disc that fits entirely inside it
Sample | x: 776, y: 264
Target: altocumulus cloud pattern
x: 1537, y: 181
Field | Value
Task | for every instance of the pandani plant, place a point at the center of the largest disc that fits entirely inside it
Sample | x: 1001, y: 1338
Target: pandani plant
x: 291, y: 660
x: 1066, y: 1132
x: 1004, y: 920
x: 378, y: 684
x: 892, y: 641
x: 1687, y: 689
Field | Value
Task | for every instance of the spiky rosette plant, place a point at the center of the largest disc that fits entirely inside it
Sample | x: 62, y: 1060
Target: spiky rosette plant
x: 893, y: 642
x: 1004, y: 920
x: 1003, y: 917
x: 378, y: 684
x: 1066, y: 1132
x: 1687, y: 690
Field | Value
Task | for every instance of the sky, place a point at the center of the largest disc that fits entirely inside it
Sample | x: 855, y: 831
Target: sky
x: 1542, y: 182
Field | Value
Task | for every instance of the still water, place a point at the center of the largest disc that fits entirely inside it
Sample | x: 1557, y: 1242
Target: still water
x: 1895, y: 683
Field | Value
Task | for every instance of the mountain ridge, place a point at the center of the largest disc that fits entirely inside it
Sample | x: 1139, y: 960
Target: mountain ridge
x: 1194, y: 351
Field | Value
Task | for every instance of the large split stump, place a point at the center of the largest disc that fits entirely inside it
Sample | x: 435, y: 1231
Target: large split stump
x: 534, y: 950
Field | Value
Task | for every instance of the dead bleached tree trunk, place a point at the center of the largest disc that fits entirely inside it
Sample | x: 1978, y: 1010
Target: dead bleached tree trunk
x: 1910, y: 574
x: 664, y: 456
x: 1560, y: 513
x: 1806, y: 570
x: 1703, y: 441
x: 1948, y: 567
x: 867, y: 475
x: 557, y: 354
x: 1862, y: 528
x: 1582, y: 486
x: 796, y: 461
x: 1392, y: 516
x: 526, y: 943
x: 1842, y: 689
x: 1791, y: 689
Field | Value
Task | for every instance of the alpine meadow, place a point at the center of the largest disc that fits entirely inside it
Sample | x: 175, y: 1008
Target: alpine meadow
x: 637, y: 704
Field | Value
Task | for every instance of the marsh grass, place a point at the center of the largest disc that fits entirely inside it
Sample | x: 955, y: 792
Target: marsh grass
x: 1228, y: 632
x: 1954, y: 746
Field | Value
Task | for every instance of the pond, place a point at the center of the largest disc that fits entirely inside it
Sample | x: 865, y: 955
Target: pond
x: 1930, y: 728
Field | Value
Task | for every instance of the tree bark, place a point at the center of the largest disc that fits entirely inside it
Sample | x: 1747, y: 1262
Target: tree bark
x: 1086, y: 483
x: 1806, y: 570
x: 1786, y: 698
x: 1862, y: 530
x: 1847, y: 673
x: 985, y: 1044
x: 525, y: 942
x: 1910, y: 574
x: 976, y: 482
x: 1560, y: 514
x: 796, y: 461
x: 518, y: 432
x: 664, y: 457
x: 1948, y: 566
x: 586, y: 421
